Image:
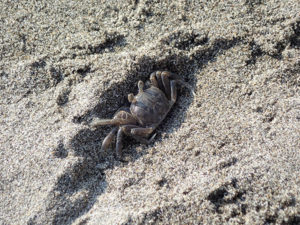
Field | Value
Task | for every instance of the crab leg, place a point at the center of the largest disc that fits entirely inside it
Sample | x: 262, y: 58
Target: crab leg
x: 166, y: 83
x: 127, y: 130
x: 142, y: 131
x: 108, y: 139
x: 121, y: 117
x: 159, y: 81
x: 119, y: 143
x: 100, y: 122
x: 178, y: 80
x: 153, y: 80
x: 186, y: 85
x: 173, y: 91
x: 144, y: 140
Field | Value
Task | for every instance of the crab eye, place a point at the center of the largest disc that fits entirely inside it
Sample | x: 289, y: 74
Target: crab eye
x: 141, y: 86
x: 131, y: 97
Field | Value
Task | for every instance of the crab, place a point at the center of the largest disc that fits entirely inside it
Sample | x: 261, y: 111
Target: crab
x: 147, y: 110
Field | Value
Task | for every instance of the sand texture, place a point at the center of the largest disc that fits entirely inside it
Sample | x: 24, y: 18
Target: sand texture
x: 230, y: 154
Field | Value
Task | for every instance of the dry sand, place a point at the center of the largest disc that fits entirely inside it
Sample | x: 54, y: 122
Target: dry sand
x: 228, y: 155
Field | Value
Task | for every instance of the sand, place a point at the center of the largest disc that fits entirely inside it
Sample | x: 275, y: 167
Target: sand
x: 230, y: 154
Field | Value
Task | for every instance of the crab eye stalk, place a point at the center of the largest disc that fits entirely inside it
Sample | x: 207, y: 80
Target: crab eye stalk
x: 141, y: 86
x: 131, y: 98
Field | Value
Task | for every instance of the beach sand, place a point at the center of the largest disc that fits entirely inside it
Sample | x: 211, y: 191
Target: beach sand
x: 230, y: 154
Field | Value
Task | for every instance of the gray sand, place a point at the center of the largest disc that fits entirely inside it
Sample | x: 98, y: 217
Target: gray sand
x: 228, y: 155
